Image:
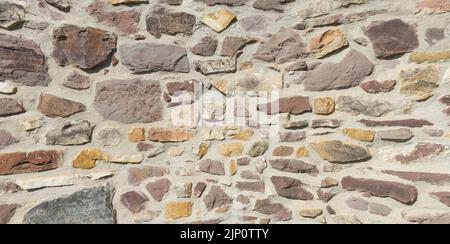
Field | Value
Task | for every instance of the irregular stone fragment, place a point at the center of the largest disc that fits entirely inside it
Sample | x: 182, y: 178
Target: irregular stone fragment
x: 257, y: 80
x: 291, y: 105
x: 216, y: 66
x: 433, y: 35
x: 419, y: 82
x: 211, y: 166
x: 360, y: 134
x: 9, y: 187
x: 118, y: 2
x: 136, y: 134
x: 133, y: 201
x: 71, y: 133
x: 340, y: 152
x: 357, y: 106
x: 129, y: 101
x: 292, y: 124
x: 266, y: 5
x: 11, y: 15
x: 170, y: 135
x: 183, y: 190
x: 357, y: 203
x: 399, y: 135
x: 7, y: 89
x: 335, y: 76
x: 172, y: 2
x: 443, y: 197
x: 7, y: 211
x: 231, y: 149
x: 31, y: 162
x: 434, y: 6
x: 406, y: 194
x: 161, y: 21
x: 329, y: 182
x: 426, y: 216
x: 431, y: 178
x: 154, y: 57
x: 219, y: 20
x: 82, y: 47
x: 243, y: 135
x: 63, y: 5
x: 199, y: 189
x: 293, y: 166
x: 392, y: 37
x: 6, y: 139
x: 379, y: 209
x: 206, y: 47
x: 243, y: 161
x: 412, y: 123
x: 126, y: 21
x: 158, y: 189
x: 347, y: 3
x: 22, y: 61
x: 283, y: 151
x: 323, y: 105
x: 282, y: 47
x: 232, y: 44
x: 216, y: 198
x: 325, y: 196
x: 279, y: 211
x: 137, y: 175
x: 325, y: 123
x: 53, y: 106
x: 302, y: 152
x: 310, y: 212
x: 299, y: 65
x: 253, y: 23
x: 421, y: 151
x: 258, y: 149
x: 31, y: 123
x: 292, y: 136
x: 223, y: 2
x: 253, y: 186
x: 77, y: 81
x: 374, y: 86
x: 87, y: 159
x: 89, y: 206
x: 430, y: 57
x: 328, y: 42
x: 110, y: 136
x: 290, y: 188
x: 126, y: 158
x: 345, y: 219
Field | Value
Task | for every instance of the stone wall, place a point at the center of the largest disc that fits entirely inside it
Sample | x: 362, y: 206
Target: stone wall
x: 101, y: 119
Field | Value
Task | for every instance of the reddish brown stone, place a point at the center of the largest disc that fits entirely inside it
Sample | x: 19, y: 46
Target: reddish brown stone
x: 243, y: 161
x: 443, y: 196
x: 158, y: 189
x: 53, y: 106
x: 9, y: 106
x: 77, y: 81
x: 406, y: 194
x: 325, y: 123
x: 431, y: 178
x: 6, y: 139
x: 375, y: 86
x: 293, y: 166
x: 22, y: 162
x: 137, y: 175
x: 84, y: 48
x: 294, y: 136
x: 232, y: 44
x: 290, y: 188
x: 412, y: 123
x: 214, y: 167
x: 161, y: 21
x: 216, y: 198
x: 22, y: 61
x: 279, y: 211
x: 445, y: 100
x: 206, y: 47
x: 254, y: 186
x: 325, y: 196
x: 133, y: 201
x: 422, y: 150
x: 7, y: 211
x: 199, y: 189
x: 435, y: 6
x: 170, y: 135
x: 293, y: 105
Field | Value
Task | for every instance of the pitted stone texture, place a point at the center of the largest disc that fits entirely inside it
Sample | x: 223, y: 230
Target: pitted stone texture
x: 291, y: 188
x: 161, y: 21
x: 37, y: 161
x: 11, y: 15
x: 340, y: 152
x: 71, y: 133
x: 129, y: 101
x: 54, y: 106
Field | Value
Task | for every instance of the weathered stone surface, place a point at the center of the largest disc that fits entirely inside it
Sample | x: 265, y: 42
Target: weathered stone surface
x: 406, y: 194
x: 6, y: 139
x: 310, y: 212
x: 340, y: 152
x: 345, y: 220
x: 82, y: 47
x: 137, y: 175
x: 282, y: 47
x: 360, y: 134
x: 232, y: 44
x: 183, y: 190
x: 299, y: 65
x: 430, y: 57
x: 292, y: 105
x: 216, y: 66
x: 374, y: 86
x: 434, y: 6
x: 23, y: 61
x: 199, y: 189
x: 328, y: 182
x: 154, y: 57
x: 118, y: 2
x: 293, y: 166
x: 132, y: 101
x: 294, y: 136
x: 426, y: 216
x: 7, y: 89
x: 136, y: 134
x: 158, y: 189
x: 89, y: 206
x: 412, y: 123
x: 431, y: 178
x: 223, y: 2
x: 379, y: 209
x: 328, y: 42
x: 267, y: 5
x: 231, y: 149
x: 290, y: 188
x: 170, y: 135
x: 443, y: 197
x: 258, y: 149
x: 433, y: 35
x: 71, y: 133
x: 323, y: 105
x: 37, y: 161
x: 421, y: 151
x: 356, y: 106
x: 392, y: 37
x: 302, y: 152
x: 325, y: 123
x: 419, y: 82
x: 253, y: 186
x: 77, y: 81
x: 11, y: 15
x: 277, y: 210
x: 206, y: 47
x: 219, y: 20
x: 63, y: 5
x: 125, y: 21
x: 9, y: 187
x: 216, y: 198
x: 53, y: 106
x: 357, y: 203
x: 345, y: 74
x: 161, y: 21
x: 211, y: 166
x: 243, y: 135
x: 7, y: 211
x: 176, y: 210
x: 398, y: 135
x: 133, y: 201
x: 126, y: 158
x: 87, y: 158
x: 283, y: 151
x: 253, y: 23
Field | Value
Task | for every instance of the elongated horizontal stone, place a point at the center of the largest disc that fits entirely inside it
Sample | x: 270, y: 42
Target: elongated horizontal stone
x: 216, y: 66
x: 71, y: 133
x: 431, y: 178
x: 443, y: 197
x: 340, y: 152
x: 23, y: 162
x: 253, y: 186
x: 291, y: 188
x: 161, y: 21
x: 170, y: 135
x: 421, y: 151
x: 399, y: 135
x: 293, y: 105
x: 293, y: 166
x: 412, y: 123
x: 211, y: 166
x: 403, y: 193
x: 9, y: 106
x: 431, y: 57
x: 277, y: 210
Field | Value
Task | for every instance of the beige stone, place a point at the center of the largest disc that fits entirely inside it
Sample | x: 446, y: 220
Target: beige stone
x: 360, y: 134
x: 5, y: 88
x: 231, y: 149
x: 431, y: 57
x: 126, y: 158
x: 233, y: 169
x: 328, y: 42
x: 170, y: 135
x: 136, y: 134
x: 219, y: 20
x: 176, y: 210
x: 419, y: 82
x: 220, y: 85
x: 243, y: 135
x: 323, y: 105
x: 302, y: 152
x: 310, y: 212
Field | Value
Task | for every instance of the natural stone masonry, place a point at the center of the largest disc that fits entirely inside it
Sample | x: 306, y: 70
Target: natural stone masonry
x: 224, y: 111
